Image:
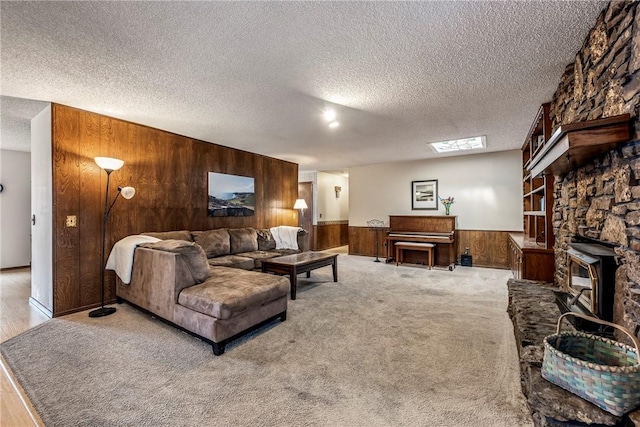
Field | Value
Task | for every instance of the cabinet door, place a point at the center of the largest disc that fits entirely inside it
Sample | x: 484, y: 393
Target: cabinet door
x: 515, y: 261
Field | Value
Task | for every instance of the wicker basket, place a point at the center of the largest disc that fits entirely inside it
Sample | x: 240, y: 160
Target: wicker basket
x: 602, y: 371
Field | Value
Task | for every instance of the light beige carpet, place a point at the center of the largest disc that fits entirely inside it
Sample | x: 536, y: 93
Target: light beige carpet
x: 385, y: 346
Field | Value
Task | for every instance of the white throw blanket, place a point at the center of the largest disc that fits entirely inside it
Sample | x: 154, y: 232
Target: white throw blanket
x: 286, y: 237
x: 121, y: 256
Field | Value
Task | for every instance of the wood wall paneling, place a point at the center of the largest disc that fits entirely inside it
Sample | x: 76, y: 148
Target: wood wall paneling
x: 89, y: 224
x: 169, y: 173
x: 331, y: 235
x: 66, y: 127
x: 487, y: 248
x: 362, y: 242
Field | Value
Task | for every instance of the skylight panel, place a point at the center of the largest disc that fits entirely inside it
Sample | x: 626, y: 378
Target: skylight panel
x: 472, y: 143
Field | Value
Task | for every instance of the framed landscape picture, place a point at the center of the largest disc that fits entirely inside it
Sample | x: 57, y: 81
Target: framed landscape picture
x: 231, y: 195
x: 424, y: 195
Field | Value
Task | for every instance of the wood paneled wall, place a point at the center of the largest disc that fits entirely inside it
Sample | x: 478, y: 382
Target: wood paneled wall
x: 362, y: 242
x: 488, y: 248
x: 331, y: 235
x: 169, y: 173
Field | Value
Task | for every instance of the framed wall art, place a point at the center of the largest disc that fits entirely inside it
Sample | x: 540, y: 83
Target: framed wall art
x: 424, y: 195
x: 231, y: 195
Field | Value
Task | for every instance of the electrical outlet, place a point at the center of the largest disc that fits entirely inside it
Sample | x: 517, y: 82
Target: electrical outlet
x: 71, y: 221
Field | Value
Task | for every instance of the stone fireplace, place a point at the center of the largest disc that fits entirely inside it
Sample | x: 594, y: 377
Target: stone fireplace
x: 596, y: 210
x: 600, y: 200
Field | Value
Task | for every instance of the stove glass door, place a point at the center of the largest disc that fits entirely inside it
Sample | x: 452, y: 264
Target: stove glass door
x: 583, y: 282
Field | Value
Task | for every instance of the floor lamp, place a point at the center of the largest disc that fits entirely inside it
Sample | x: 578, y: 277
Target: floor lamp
x: 301, y: 205
x: 109, y: 165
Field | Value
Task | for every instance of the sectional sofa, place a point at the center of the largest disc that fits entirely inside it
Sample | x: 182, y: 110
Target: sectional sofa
x: 205, y: 283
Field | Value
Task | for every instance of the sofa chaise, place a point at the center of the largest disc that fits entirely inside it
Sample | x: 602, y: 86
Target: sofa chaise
x: 204, y: 282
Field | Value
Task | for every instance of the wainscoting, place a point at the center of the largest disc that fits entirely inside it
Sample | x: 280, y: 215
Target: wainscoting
x: 331, y: 234
x: 169, y: 173
x: 488, y: 248
x: 362, y: 242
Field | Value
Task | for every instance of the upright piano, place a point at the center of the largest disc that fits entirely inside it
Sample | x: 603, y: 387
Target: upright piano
x: 436, y: 229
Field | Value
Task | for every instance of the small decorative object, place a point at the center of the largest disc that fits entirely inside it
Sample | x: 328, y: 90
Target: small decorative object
x: 466, y: 260
x: 599, y: 370
x: 424, y: 195
x: 447, y: 204
x: 338, y: 189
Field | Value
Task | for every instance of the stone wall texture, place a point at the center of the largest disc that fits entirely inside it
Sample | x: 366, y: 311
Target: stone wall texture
x: 601, y: 200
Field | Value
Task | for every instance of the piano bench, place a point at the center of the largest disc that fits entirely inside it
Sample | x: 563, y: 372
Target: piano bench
x: 414, y: 246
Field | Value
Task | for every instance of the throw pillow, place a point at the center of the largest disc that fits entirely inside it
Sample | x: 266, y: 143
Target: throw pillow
x: 192, y: 253
x: 265, y: 240
x: 214, y: 242
x: 243, y: 240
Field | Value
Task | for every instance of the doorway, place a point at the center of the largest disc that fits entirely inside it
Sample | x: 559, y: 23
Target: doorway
x: 305, y: 191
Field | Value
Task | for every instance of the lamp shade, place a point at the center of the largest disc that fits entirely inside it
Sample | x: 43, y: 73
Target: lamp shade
x: 128, y: 192
x: 300, y: 204
x: 109, y: 163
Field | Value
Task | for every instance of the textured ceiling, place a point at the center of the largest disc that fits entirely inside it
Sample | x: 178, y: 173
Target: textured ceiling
x: 15, y: 122
x: 256, y: 75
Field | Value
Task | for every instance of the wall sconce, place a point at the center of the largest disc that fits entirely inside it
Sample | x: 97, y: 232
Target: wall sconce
x: 338, y: 190
x: 301, y: 205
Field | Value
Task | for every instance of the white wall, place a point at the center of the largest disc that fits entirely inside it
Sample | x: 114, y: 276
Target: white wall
x: 330, y: 207
x: 41, y: 207
x: 15, y: 208
x: 487, y: 189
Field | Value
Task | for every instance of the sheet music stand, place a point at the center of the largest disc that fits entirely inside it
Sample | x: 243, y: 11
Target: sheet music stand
x: 376, y: 225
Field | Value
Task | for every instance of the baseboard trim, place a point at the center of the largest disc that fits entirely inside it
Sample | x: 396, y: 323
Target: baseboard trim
x: 15, y: 268
x: 37, y: 304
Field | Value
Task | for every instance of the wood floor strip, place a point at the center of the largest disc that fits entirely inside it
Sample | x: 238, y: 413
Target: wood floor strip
x: 16, y: 316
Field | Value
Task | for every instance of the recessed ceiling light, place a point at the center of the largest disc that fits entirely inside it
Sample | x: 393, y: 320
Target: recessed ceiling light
x: 472, y: 143
x: 329, y: 115
x: 334, y: 124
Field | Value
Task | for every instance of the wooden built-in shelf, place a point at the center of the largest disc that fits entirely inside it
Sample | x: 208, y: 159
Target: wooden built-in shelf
x: 531, y: 252
x: 535, y: 190
x: 573, y: 145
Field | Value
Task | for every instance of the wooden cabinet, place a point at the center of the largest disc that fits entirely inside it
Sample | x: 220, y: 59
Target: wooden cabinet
x: 528, y: 260
x: 531, y: 252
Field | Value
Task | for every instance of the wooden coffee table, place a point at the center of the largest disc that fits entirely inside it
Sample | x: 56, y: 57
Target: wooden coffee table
x: 303, y: 262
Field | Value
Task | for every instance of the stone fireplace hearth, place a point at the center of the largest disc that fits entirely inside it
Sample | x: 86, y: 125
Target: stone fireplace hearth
x: 534, y: 313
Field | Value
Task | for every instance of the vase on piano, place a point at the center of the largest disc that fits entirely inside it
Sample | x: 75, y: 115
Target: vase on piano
x: 447, y: 202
